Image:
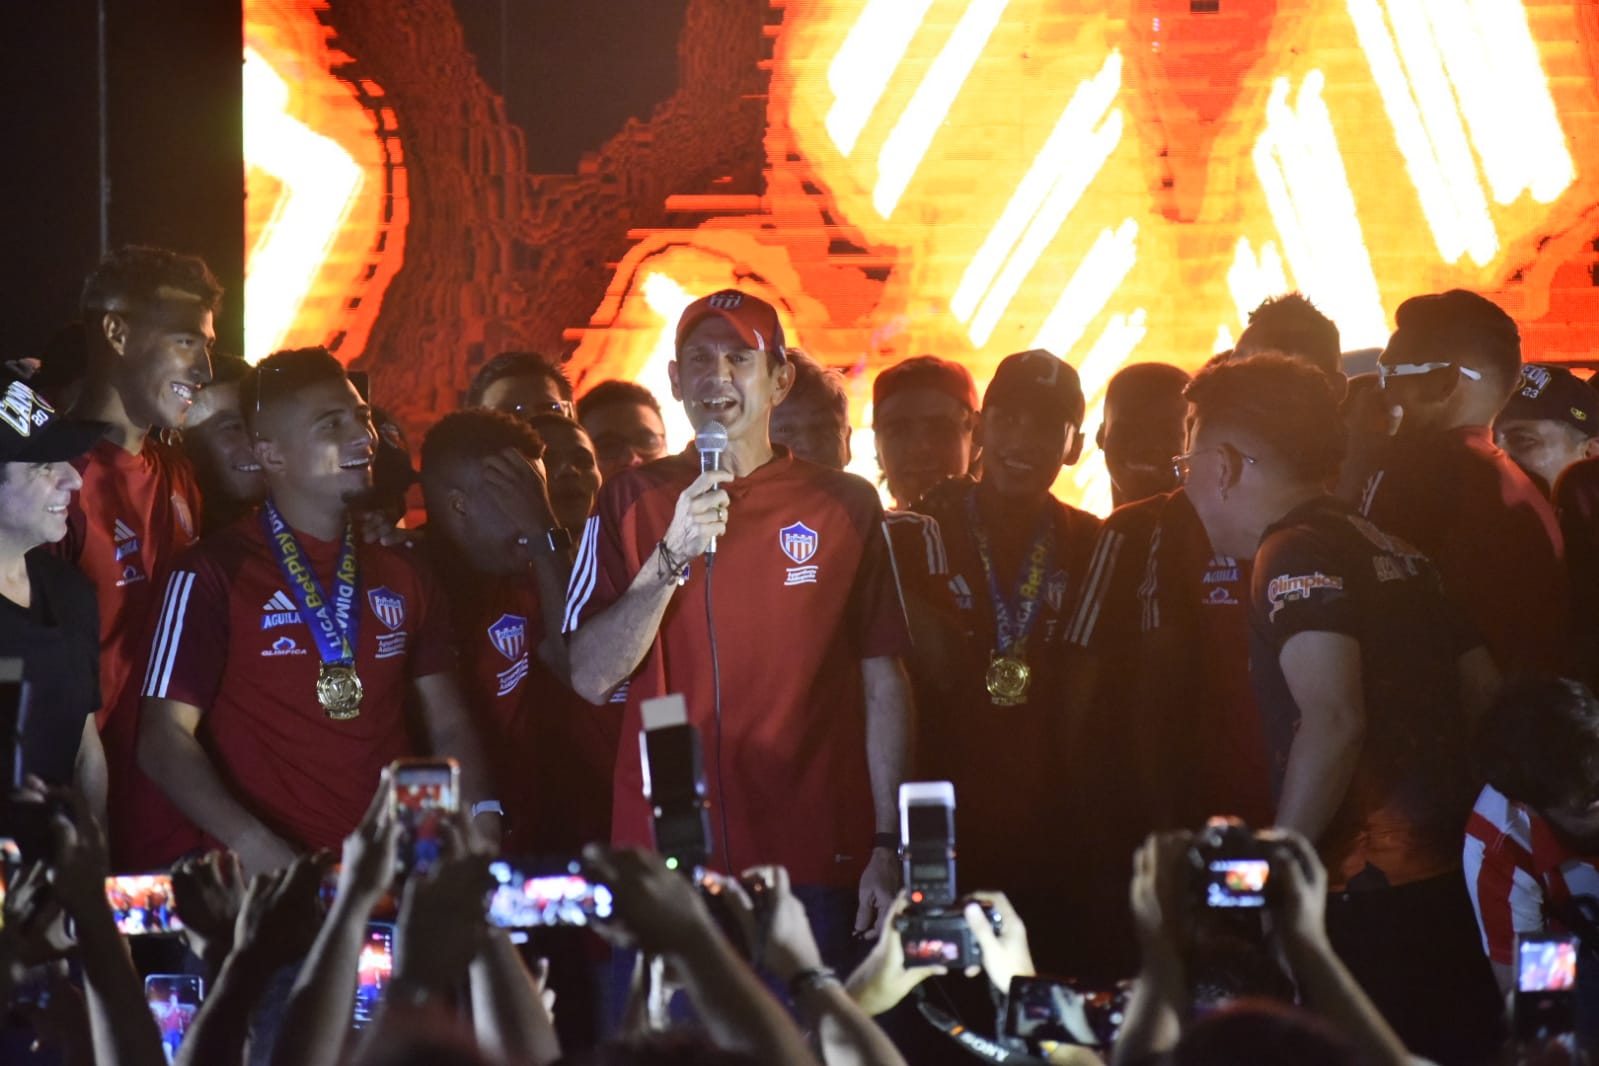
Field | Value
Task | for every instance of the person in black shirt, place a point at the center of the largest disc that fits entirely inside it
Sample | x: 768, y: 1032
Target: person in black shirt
x: 48, y: 615
x: 1367, y: 681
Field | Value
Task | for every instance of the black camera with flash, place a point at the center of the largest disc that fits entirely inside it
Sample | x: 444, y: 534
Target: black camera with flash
x: 933, y: 929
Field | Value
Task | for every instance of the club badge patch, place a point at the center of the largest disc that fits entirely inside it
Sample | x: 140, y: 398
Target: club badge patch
x: 388, y: 606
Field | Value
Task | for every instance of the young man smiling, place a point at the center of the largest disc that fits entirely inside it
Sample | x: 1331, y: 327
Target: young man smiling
x: 287, y: 647
x: 147, y: 315
x: 1017, y: 559
x: 805, y: 754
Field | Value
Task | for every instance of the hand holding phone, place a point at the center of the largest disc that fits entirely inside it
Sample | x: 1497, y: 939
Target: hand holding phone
x: 174, y: 1000
x: 142, y: 904
x: 424, y: 793
x: 1544, y: 1003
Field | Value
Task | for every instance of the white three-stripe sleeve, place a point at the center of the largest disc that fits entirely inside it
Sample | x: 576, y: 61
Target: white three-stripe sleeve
x: 1096, y: 585
x: 168, y: 633
x: 585, y: 573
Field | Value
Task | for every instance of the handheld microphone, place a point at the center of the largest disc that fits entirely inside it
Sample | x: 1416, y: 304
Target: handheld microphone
x: 711, y: 442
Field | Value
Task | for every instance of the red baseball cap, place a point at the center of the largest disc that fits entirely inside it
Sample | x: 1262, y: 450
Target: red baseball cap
x: 754, y: 318
x: 926, y: 372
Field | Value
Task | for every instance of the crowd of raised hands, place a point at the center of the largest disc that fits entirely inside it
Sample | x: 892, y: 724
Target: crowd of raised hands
x: 741, y: 950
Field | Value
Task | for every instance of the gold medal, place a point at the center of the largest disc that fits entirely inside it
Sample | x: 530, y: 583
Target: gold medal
x: 339, y: 691
x: 1008, y: 677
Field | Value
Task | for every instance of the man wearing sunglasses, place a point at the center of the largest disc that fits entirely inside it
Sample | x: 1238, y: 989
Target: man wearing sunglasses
x: 1441, y: 484
x: 1367, y: 680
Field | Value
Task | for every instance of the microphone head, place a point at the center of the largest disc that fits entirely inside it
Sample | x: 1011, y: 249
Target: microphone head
x: 712, y: 437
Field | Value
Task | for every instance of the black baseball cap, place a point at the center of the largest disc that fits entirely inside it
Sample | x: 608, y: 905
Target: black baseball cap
x: 32, y: 432
x: 1037, y: 380
x: 1553, y: 394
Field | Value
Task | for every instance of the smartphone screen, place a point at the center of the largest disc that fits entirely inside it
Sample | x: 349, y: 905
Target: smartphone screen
x: 142, y: 904
x: 1237, y: 883
x: 373, y: 971
x: 524, y: 901
x: 1546, y: 985
x: 425, y: 791
x: 174, y: 1000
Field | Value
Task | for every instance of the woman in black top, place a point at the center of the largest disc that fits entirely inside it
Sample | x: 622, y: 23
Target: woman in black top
x: 48, y: 616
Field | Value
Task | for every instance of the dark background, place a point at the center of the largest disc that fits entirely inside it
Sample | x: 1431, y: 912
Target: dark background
x: 571, y: 73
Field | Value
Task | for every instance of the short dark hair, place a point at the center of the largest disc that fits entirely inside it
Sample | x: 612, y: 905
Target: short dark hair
x: 1292, y: 325
x: 1443, y: 323
x: 516, y: 365
x: 813, y: 381
x: 1143, y: 382
x: 1539, y: 742
x: 1287, y: 405
x: 133, y: 276
x: 472, y: 435
x: 227, y: 368
x: 282, y: 375
x: 555, y: 418
x: 611, y: 392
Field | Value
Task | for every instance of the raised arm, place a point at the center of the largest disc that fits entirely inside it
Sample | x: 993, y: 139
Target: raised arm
x: 317, y: 1016
x: 607, y: 647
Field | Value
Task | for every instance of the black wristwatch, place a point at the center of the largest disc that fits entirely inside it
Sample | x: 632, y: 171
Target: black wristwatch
x: 550, y: 542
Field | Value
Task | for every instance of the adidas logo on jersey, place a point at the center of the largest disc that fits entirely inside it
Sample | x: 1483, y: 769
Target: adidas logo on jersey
x: 278, y: 611
x: 125, y: 539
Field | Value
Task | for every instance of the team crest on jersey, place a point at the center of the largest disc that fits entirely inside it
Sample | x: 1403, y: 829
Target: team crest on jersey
x: 799, y: 542
x: 509, y: 635
x: 1055, y: 590
x: 388, y: 606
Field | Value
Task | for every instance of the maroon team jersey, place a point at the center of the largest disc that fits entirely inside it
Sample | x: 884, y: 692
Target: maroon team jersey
x: 231, y: 642
x: 1168, y: 620
x: 132, y: 519
x: 803, y: 591
x: 550, y: 752
x: 1490, y: 531
x: 134, y: 515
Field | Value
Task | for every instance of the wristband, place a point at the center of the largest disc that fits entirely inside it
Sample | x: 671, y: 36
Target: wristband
x: 886, y: 840
x: 810, y: 980
x: 487, y: 807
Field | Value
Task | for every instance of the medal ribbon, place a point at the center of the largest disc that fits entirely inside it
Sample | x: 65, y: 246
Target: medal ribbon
x: 335, y: 625
x: 1011, y: 632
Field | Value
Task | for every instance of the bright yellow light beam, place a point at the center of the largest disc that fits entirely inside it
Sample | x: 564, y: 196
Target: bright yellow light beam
x: 1058, y: 160
x: 1420, y: 105
x: 912, y: 135
x: 320, y: 183
x: 1090, y: 288
x: 1302, y: 174
x: 1503, y: 93
x: 860, y: 72
x: 1062, y: 198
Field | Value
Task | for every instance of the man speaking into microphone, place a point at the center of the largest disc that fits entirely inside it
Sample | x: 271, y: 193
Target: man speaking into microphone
x: 787, y: 648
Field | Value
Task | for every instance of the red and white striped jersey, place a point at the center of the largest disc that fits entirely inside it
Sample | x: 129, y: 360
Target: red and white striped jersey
x: 1523, y: 878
